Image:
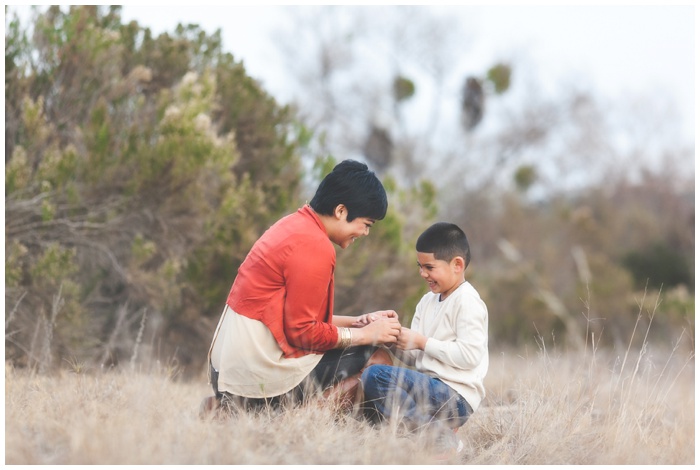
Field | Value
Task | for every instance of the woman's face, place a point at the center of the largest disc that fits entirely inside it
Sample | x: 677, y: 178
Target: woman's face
x: 348, y: 232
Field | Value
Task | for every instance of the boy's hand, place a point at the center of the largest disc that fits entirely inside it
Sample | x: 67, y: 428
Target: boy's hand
x: 367, y: 318
x: 410, y: 339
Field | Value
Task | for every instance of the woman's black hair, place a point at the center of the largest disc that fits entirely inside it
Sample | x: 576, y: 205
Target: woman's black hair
x: 354, y: 185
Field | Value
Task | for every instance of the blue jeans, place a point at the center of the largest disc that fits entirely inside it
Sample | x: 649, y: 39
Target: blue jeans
x: 416, y: 399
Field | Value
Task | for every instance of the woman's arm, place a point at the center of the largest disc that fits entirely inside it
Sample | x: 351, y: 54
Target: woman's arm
x: 308, y: 282
x: 308, y: 276
x: 342, y: 321
x: 385, y: 331
x: 363, y: 320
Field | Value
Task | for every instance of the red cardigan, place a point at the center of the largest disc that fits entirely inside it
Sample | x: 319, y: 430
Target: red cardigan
x: 286, y: 282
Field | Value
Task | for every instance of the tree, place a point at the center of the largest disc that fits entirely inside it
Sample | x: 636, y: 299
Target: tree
x: 139, y: 171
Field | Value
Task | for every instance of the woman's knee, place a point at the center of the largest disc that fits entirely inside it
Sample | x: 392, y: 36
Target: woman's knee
x: 380, y: 357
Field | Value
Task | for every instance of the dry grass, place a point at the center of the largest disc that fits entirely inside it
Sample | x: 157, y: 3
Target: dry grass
x: 130, y: 418
x: 555, y: 410
x: 546, y: 409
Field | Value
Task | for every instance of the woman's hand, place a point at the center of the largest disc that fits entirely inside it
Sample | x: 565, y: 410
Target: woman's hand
x: 380, y: 330
x: 367, y: 318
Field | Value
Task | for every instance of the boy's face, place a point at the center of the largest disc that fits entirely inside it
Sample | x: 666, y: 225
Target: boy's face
x: 442, y: 277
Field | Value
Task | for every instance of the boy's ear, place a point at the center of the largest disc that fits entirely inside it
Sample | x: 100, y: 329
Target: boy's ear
x: 458, y: 263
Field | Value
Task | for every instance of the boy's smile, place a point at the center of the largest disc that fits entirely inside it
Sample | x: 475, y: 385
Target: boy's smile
x: 442, y: 277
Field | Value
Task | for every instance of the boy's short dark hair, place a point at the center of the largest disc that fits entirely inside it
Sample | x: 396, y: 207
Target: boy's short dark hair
x: 354, y: 185
x: 445, y: 241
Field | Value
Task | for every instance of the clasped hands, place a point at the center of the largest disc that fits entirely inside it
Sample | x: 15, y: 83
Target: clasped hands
x: 386, y: 329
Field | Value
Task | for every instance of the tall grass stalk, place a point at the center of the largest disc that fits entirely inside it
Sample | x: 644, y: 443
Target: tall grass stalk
x: 49, y: 326
x: 139, y: 338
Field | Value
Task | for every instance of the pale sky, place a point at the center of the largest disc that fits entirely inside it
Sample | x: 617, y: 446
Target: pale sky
x: 621, y: 51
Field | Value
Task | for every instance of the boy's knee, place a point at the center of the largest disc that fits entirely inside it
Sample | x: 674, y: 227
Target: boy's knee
x: 368, y: 374
x: 371, y: 376
x: 372, y: 383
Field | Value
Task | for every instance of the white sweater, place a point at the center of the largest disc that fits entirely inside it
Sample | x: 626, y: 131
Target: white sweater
x: 457, y: 348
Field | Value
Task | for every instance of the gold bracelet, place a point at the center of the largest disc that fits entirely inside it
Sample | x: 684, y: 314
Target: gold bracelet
x: 345, y: 338
x: 341, y: 338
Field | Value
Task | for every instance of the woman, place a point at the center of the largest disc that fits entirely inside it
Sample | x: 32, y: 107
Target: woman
x: 277, y: 338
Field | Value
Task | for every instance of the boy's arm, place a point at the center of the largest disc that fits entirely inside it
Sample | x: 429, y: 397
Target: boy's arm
x: 410, y: 339
x: 405, y: 348
x: 467, y: 350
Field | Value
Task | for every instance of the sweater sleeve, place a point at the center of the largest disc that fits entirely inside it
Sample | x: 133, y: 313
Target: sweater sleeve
x: 466, y: 351
x: 308, y: 276
x: 409, y: 356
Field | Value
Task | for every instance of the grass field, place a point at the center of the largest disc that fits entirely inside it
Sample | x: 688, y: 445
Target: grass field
x: 542, y: 408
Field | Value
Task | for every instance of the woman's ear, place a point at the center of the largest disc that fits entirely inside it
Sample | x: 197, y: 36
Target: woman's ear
x: 340, y: 212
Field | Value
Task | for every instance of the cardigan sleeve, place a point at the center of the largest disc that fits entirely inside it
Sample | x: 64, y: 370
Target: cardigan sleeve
x: 308, y: 274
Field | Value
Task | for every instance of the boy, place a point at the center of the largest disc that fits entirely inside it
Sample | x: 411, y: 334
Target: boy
x: 277, y: 334
x: 446, y: 346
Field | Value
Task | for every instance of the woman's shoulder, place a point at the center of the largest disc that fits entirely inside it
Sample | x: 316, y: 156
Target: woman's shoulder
x: 297, y: 226
x: 300, y: 232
